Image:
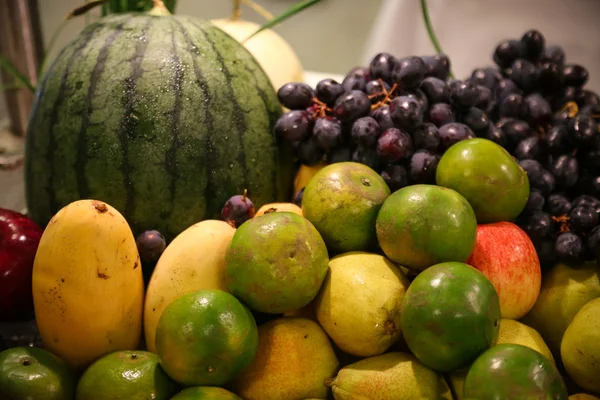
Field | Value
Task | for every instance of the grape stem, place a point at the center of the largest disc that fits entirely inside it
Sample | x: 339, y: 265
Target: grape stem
x: 564, y: 222
x: 430, y: 31
x: 387, y: 96
x: 572, y: 108
x: 245, y: 194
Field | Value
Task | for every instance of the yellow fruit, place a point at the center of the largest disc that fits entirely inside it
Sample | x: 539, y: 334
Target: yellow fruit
x: 294, y: 360
x: 305, y: 174
x: 193, y: 261
x: 390, y: 376
x: 580, y: 347
x: 516, y: 332
x: 272, y: 52
x: 564, y: 291
x: 279, y: 207
x: 583, y: 396
x: 88, y: 289
x: 359, y: 303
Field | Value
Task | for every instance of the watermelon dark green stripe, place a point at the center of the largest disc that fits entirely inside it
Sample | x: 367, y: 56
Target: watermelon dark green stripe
x: 238, y: 113
x: 128, y: 122
x: 61, y: 96
x: 171, y: 155
x: 164, y: 121
x: 208, y: 146
x: 82, y: 146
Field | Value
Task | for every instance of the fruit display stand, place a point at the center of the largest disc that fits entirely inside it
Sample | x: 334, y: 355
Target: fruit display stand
x: 395, y: 233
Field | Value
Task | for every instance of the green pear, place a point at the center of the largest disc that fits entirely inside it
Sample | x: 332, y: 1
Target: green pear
x: 564, y: 291
x: 359, y: 303
x: 580, y: 347
x: 390, y: 376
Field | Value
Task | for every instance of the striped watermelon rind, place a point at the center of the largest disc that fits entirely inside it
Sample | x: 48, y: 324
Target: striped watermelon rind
x: 163, y: 117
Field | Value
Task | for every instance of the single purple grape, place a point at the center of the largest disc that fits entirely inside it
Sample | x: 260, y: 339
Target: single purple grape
x: 238, y: 209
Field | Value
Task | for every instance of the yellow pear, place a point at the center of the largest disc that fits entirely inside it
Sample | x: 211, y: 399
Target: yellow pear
x: 580, y: 347
x: 516, y: 332
x: 294, y: 361
x: 564, y: 291
x: 359, y: 303
x: 390, y: 376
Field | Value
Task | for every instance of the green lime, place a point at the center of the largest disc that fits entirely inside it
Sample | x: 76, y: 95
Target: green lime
x: 487, y: 176
x: 422, y: 225
x: 276, y: 263
x: 206, y: 338
x: 132, y: 375
x: 342, y: 201
x: 32, y: 373
x: 205, y: 393
x: 512, y: 371
x: 450, y: 315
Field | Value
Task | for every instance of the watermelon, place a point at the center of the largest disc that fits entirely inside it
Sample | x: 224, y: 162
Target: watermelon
x: 164, y: 117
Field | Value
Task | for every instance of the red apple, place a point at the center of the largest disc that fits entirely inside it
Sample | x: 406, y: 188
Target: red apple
x: 19, y: 240
x: 507, y: 257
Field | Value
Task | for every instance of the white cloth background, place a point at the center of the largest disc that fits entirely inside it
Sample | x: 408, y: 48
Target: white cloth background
x: 469, y: 30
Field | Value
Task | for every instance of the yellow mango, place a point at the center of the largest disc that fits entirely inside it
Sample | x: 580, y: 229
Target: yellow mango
x: 88, y: 289
x: 305, y: 174
x: 278, y: 207
x: 194, y: 260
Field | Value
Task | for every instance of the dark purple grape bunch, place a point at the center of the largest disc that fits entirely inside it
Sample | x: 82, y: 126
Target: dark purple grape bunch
x: 541, y: 112
x: 151, y: 244
x: 379, y: 116
x: 238, y: 209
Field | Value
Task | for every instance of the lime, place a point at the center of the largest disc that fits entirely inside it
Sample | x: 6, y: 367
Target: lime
x: 206, y: 338
x: 422, y: 225
x: 276, y: 263
x: 205, y: 393
x: 342, y: 201
x: 487, y: 176
x: 34, y: 374
x: 450, y: 315
x: 132, y: 375
x: 514, y: 371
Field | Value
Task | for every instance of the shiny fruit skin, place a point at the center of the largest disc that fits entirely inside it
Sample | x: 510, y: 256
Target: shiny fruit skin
x: 206, y: 338
x: 512, y: 371
x: 131, y: 375
x: 487, y: 176
x: 507, y: 257
x: 19, y: 240
x: 422, y: 225
x: 34, y: 374
x: 450, y: 315
x: 88, y: 288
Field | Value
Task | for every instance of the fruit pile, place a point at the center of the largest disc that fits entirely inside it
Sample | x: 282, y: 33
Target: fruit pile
x: 398, y: 116
x: 408, y: 266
